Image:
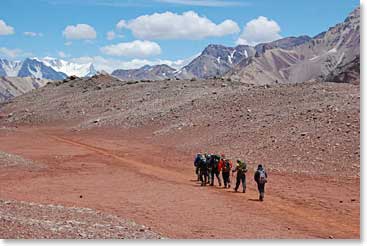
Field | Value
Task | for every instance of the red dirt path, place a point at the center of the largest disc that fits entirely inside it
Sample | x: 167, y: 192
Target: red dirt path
x: 121, y: 173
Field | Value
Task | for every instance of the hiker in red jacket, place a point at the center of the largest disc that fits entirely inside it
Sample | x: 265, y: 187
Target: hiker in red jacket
x: 225, y: 165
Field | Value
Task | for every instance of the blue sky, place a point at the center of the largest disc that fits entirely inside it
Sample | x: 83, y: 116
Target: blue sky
x: 46, y: 20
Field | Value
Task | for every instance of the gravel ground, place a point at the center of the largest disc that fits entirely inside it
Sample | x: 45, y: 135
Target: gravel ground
x: 310, y: 128
x: 25, y: 220
x: 11, y: 160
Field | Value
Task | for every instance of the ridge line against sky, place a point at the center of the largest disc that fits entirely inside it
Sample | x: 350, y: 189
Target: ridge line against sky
x: 126, y: 34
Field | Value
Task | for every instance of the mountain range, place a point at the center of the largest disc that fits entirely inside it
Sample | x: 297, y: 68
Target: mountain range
x: 332, y: 55
x: 314, y: 59
x: 46, y: 68
x: 287, y: 60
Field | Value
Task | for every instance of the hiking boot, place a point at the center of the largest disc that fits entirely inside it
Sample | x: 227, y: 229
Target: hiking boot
x: 235, y: 190
x: 244, y: 191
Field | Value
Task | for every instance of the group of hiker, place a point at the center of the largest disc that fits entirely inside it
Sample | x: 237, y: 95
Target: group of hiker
x: 209, y: 166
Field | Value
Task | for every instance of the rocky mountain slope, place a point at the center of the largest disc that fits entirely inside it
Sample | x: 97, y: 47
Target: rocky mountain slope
x: 216, y: 60
x: 14, y: 86
x: 284, y: 43
x: 314, y: 59
x: 347, y: 73
x: 157, y: 72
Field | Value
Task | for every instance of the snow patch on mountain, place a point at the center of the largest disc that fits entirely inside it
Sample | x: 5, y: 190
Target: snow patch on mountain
x: 11, y: 68
x: 70, y: 68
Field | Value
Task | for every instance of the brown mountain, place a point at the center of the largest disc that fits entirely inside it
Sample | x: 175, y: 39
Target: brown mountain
x: 314, y: 59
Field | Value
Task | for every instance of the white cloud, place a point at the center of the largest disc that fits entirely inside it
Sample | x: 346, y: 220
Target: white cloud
x: 111, y: 35
x: 101, y: 63
x: 33, y: 34
x: 63, y: 54
x: 205, y: 3
x: 135, y: 48
x: 68, y: 43
x: 12, y: 53
x: 5, y: 29
x: 121, y: 24
x: 168, y: 25
x: 260, y: 30
x: 80, y: 31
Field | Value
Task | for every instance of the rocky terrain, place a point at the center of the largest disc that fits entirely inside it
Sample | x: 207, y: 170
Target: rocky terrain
x: 347, y: 73
x: 318, y: 122
x: 284, y: 43
x: 89, y: 133
x: 157, y: 72
x: 216, y: 60
x: 14, y: 86
x: 28, y: 220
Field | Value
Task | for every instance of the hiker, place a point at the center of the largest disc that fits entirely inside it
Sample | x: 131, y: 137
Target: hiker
x: 225, y: 166
x: 196, y: 165
x: 241, y: 169
x: 214, y: 161
x: 203, y: 171
x: 207, y: 160
x: 261, y: 178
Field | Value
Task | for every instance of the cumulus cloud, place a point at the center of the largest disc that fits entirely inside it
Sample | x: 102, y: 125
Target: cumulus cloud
x: 80, y: 31
x: 205, y: 3
x: 168, y: 25
x: 5, y: 29
x: 111, y: 35
x: 13, y: 53
x: 121, y: 24
x: 101, y: 63
x: 135, y: 48
x: 33, y: 34
x: 259, y: 30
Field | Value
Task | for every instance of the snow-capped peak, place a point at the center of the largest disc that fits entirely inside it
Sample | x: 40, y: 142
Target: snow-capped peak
x: 11, y: 68
x: 70, y: 68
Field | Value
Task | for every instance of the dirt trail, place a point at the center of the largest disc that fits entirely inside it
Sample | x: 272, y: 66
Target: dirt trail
x: 117, y: 177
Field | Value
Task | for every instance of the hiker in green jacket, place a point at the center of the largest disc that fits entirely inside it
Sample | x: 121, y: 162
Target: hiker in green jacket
x: 241, y: 169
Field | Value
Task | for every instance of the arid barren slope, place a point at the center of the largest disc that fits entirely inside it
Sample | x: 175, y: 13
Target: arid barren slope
x: 127, y: 149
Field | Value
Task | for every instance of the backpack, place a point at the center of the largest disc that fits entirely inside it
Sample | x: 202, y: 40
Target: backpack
x: 262, y: 176
x: 202, y: 163
x: 242, y: 167
x: 227, y: 166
